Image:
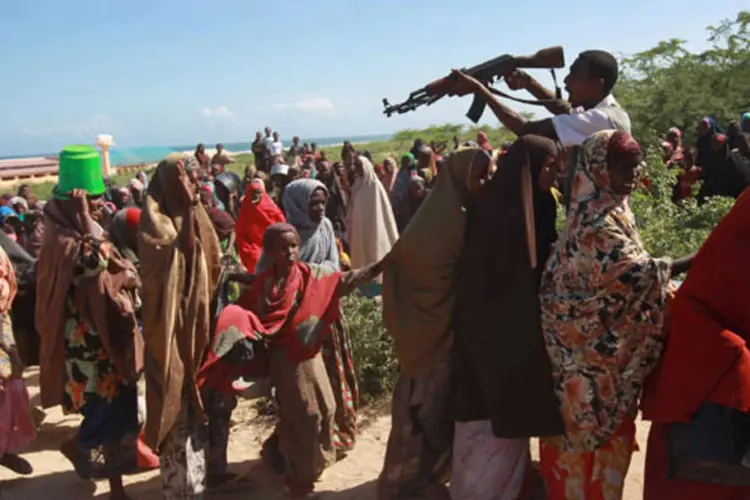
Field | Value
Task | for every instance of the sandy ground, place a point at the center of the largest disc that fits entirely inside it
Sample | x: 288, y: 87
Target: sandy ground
x: 351, y: 478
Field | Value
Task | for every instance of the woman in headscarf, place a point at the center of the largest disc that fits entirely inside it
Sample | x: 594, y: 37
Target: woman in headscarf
x: 501, y: 372
x: 17, y: 429
x: 290, y: 307
x: 372, y: 228
x: 419, y: 292
x: 338, y: 200
x: 745, y: 123
x: 707, y: 128
x: 90, y: 352
x: 390, y: 168
x: 179, y: 251
x: 405, y: 207
x: 674, y: 138
x: 123, y: 233
x: 483, y: 140
x: 426, y: 160
x: 603, y: 312
x: 401, y: 182
x: 305, y: 202
x: 221, y: 220
x: 257, y: 212
x: 706, y: 359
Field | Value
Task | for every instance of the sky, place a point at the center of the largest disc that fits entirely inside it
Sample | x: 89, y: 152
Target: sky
x: 175, y: 72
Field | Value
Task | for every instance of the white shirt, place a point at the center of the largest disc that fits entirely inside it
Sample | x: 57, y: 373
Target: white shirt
x: 572, y: 129
x: 276, y: 148
x: 268, y: 142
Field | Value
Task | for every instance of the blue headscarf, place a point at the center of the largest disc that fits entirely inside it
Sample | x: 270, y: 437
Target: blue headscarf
x: 5, y: 212
x: 703, y: 143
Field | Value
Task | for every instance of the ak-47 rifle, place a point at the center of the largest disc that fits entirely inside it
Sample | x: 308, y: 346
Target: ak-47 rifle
x: 486, y: 72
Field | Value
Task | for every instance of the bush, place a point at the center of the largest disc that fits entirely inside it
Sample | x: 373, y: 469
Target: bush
x: 374, y: 360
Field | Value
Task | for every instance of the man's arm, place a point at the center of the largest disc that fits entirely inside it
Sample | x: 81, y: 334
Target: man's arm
x: 522, y: 80
x: 512, y: 120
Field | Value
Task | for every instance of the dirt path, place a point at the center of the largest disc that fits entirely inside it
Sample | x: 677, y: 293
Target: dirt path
x: 352, y: 478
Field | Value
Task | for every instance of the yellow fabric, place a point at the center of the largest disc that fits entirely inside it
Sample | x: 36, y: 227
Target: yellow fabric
x: 177, y: 293
x: 420, y: 275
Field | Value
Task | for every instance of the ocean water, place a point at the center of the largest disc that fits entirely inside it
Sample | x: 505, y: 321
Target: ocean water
x: 151, y: 154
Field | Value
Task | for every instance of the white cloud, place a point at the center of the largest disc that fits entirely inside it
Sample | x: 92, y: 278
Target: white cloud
x: 221, y: 112
x: 314, y: 104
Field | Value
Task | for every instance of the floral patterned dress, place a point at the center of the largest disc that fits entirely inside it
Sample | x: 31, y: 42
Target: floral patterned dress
x: 106, y: 441
x: 603, y: 303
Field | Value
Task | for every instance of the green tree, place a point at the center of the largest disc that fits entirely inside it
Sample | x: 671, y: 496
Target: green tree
x: 669, y: 86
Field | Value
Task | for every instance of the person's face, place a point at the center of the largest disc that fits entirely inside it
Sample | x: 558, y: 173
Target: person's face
x: 278, y: 180
x: 672, y: 139
x: 623, y: 171
x: 285, y: 251
x: 96, y: 207
x: 219, y: 149
x: 416, y: 190
x: 257, y: 135
x: 703, y: 128
x: 268, y: 131
x: 479, y: 174
x: 19, y: 208
x: 318, y: 205
x: 275, y: 136
x: 548, y: 172
x: 405, y: 163
x: 579, y: 84
x: 339, y: 168
x: 25, y: 192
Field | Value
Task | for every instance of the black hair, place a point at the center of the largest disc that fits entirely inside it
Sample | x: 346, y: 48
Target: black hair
x: 602, y: 65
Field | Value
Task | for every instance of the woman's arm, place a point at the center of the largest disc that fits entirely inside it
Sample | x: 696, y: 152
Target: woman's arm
x: 351, y: 280
x: 682, y: 265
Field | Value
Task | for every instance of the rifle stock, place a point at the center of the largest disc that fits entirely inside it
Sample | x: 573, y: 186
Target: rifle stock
x: 486, y: 72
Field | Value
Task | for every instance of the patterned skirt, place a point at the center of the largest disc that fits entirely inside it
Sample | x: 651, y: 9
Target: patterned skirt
x: 592, y: 475
x: 337, y: 355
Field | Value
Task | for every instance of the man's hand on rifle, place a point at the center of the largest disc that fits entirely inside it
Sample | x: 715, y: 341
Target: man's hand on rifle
x: 517, y: 80
x: 465, y: 84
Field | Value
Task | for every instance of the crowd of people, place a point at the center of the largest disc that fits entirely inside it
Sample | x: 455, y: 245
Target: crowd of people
x: 195, y: 281
x: 719, y: 160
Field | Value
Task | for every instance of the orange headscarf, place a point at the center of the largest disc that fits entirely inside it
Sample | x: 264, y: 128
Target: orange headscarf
x: 257, y: 212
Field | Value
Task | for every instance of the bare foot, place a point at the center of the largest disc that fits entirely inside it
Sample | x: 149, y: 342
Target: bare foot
x: 16, y: 464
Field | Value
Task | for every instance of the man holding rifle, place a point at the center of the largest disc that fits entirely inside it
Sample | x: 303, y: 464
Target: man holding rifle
x: 589, y: 84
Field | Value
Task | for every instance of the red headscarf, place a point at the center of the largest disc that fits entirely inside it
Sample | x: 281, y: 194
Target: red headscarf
x: 295, y: 316
x: 252, y: 222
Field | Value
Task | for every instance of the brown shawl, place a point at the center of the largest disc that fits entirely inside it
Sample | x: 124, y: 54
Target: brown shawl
x: 177, y: 292
x: 501, y: 368
x: 419, y: 282
x: 106, y: 301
